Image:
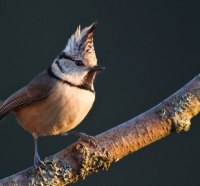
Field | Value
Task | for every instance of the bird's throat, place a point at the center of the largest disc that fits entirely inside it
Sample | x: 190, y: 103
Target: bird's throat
x: 86, y: 85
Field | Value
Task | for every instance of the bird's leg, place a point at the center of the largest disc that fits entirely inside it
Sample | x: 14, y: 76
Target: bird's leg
x: 37, y: 160
x: 83, y: 136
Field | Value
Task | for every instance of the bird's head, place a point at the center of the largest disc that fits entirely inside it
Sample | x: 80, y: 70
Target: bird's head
x: 77, y: 63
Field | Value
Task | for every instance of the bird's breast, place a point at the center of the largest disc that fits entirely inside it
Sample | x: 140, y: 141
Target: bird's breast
x: 60, y: 112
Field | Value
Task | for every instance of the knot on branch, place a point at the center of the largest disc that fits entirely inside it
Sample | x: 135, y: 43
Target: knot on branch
x: 181, y: 111
x: 53, y: 172
x: 90, y: 160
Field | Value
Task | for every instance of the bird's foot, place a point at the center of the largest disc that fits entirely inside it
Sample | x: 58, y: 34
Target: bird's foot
x: 84, y: 137
x: 88, y: 139
x: 38, y: 162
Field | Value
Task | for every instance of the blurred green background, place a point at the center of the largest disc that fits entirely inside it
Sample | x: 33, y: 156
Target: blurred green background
x: 150, y: 50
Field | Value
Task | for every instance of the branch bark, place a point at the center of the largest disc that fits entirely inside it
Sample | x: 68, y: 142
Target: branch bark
x: 81, y: 159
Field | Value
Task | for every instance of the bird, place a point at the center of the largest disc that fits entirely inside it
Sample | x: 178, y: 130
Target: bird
x: 57, y: 100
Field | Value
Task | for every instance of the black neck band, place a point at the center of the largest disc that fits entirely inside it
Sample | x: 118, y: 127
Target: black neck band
x: 84, y: 86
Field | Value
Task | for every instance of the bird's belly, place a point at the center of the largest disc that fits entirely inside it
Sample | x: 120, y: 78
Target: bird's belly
x: 63, y: 110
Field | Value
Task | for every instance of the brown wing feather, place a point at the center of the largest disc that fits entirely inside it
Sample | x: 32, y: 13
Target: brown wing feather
x: 39, y: 88
x: 1, y: 103
x: 3, y: 116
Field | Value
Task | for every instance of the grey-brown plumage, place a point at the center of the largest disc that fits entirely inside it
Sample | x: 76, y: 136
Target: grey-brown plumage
x: 59, y: 98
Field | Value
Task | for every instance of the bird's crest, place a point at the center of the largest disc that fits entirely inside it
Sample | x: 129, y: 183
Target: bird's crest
x: 81, y: 44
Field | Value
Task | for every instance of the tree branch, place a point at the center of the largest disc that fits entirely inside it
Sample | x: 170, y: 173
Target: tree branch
x: 81, y: 159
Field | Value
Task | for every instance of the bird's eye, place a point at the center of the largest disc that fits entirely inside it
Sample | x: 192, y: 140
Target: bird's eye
x: 79, y: 63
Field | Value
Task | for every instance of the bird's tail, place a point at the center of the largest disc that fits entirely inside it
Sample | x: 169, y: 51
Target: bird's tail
x: 4, y: 115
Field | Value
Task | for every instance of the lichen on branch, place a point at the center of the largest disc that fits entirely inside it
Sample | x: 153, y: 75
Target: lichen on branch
x: 81, y: 159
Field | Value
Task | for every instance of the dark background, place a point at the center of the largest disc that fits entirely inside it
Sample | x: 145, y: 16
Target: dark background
x: 150, y: 50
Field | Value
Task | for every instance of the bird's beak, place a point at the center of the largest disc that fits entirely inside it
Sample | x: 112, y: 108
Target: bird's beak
x: 97, y: 68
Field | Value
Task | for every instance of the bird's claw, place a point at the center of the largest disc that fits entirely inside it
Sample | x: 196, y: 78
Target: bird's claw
x: 38, y: 163
x: 89, y: 139
x: 85, y: 137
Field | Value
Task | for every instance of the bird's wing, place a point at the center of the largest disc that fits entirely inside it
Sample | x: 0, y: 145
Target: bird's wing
x: 1, y: 102
x: 39, y: 88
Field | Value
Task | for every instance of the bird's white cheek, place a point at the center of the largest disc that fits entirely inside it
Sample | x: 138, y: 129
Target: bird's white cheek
x: 75, y: 77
